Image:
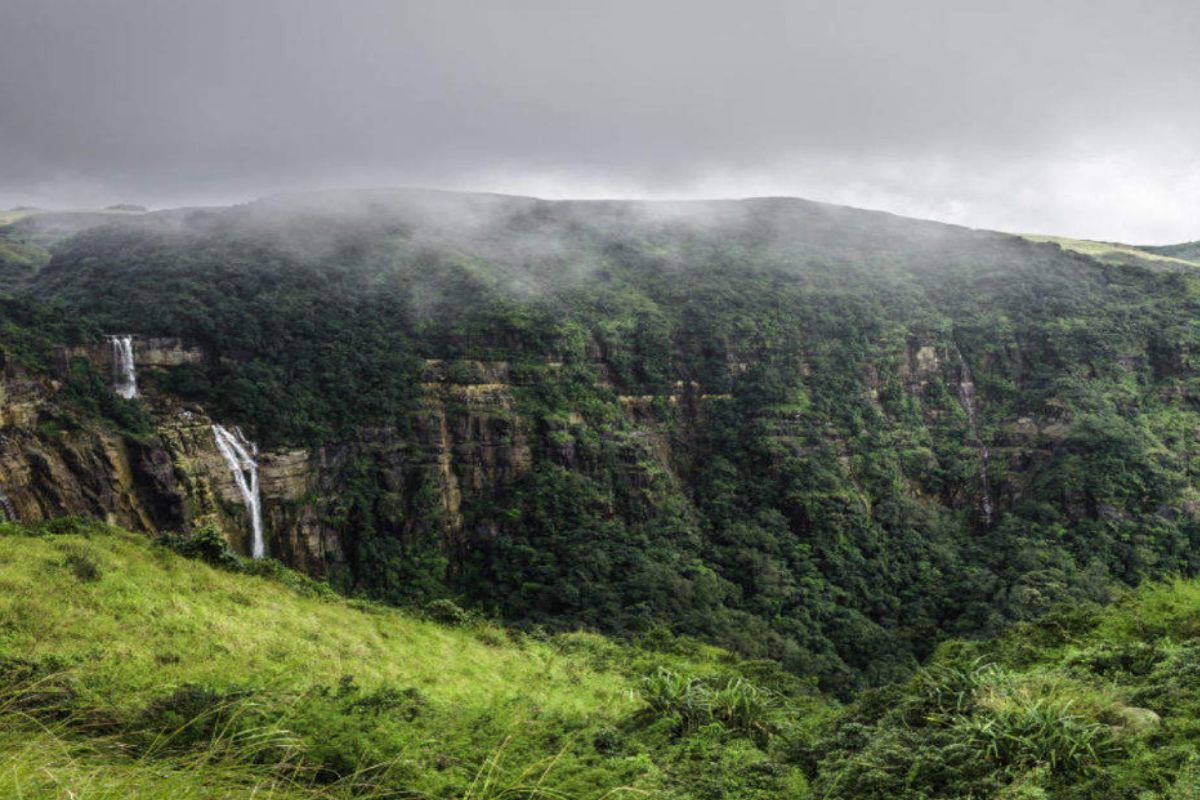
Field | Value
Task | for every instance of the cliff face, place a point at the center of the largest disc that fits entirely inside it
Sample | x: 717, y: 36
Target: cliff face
x: 468, y: 440
x: 475, y: 435
x: 211, y: 495
x: 46, y: 471
x: 175, y: 479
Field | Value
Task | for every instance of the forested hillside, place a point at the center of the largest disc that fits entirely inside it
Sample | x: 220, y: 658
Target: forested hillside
x: 808, y: 433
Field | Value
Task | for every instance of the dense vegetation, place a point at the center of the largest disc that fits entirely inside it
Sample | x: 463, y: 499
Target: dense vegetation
x: 762, y: 423
x: 127, y: 671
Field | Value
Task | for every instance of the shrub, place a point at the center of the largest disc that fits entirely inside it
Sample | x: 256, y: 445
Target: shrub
x: 607, y: 741
x: 298, y: 582
x: 997, y: 715
x: 39, y: 689
x: 192, y: 715
x: 405, y: 704
x: 949, y: 689
x: 82, y: 563
x: 491, y: 635
x: 447, y: 612
x: 1039, y: 733
x: 735, y: 704
x: 1113, y: 659
x: 205, y: 543
x: 66, y: 526
x: 348, y: 733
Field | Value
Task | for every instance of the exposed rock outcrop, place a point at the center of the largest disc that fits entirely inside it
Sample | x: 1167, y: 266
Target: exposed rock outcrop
x: 474, y: 436
x: 48, y: 471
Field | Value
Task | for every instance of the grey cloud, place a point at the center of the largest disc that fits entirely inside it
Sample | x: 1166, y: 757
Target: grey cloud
x: 1076, y: 114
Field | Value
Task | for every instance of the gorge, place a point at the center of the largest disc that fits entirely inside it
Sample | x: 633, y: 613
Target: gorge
x: 767, y: 400
x: 805, y: 432
x: 865, y: 456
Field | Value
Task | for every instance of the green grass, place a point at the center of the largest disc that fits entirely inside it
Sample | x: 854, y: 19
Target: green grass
x: 127, y: 670
x: 169, y: 620
x: 1116, y: 253
x: 48, y: 763
x: 14, y: 214
x: 23, y: 255
x: 19, y: 262
x: 1083, y: 703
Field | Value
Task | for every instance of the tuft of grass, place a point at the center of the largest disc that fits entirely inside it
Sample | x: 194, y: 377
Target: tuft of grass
x: 1037, y: 734
x: 734, y: 703
x: 1020, y: 722
x: 82, y: 563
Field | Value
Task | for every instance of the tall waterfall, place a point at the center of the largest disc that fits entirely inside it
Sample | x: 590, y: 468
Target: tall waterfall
x: 6, y: 507
x: 124, y: 373
x: 966, y: 396
x: 239, y: 455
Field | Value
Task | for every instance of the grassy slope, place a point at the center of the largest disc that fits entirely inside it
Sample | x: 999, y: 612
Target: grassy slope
x: 1187, y: 250
x: 309, y: 695
x: 18, y: 262
x: 14, y: 214
x: 1116, y: 253
x: 167, y: 620
x: 1085, y: 704
x: 302, y: 668
x: 26, y: 236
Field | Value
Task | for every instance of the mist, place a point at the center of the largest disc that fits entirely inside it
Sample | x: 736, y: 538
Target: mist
x: 1075, y: 118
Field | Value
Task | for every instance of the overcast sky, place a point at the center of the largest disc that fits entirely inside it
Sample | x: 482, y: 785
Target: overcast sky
x: 1080, y: 118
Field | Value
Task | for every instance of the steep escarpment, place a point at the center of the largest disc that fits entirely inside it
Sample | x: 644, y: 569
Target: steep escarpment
x: 46, y: 471
x: 815, y: 434
x: 166, y: 475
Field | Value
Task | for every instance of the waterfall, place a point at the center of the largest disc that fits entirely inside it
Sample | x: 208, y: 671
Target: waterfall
x: 124, y: 373
x: 6, y: 507
x: 239, y: 455
x: 966, y: 396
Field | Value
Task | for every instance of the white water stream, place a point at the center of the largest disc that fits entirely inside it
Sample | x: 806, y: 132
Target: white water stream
x: 966, y: 396
x: 124, y: 372
x: 239, y: 455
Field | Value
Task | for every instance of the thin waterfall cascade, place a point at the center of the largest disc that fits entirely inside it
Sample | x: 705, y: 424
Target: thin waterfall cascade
x: 7, y: 508
x: 239, y: 455
x: 124, y: 372
x: 966, y: 396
